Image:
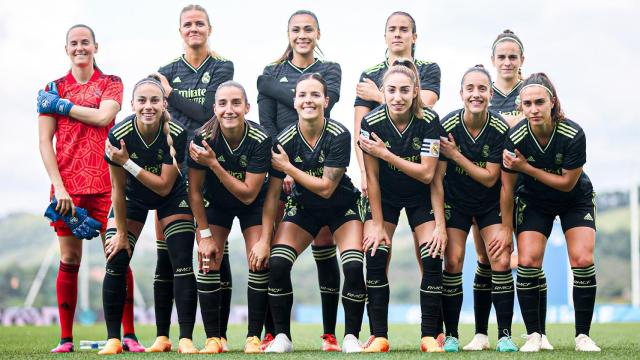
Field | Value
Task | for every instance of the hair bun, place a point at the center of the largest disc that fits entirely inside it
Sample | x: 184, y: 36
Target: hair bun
x: 154, y: 77
x: 507, y: 31
x: 479, y: 66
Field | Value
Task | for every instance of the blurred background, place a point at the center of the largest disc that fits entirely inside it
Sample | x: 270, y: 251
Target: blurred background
x: 588, y: 48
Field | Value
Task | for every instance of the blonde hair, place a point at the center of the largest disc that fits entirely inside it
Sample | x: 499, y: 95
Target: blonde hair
x: 408, y: 68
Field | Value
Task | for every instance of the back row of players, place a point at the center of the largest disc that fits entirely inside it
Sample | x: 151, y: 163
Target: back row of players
x: 444, y: 173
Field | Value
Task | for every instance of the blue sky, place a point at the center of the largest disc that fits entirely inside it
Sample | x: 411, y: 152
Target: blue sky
x: 588, y: 48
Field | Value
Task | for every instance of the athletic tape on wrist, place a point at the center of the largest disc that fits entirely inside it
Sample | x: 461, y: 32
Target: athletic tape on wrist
x: 132, y: 168
x: 205, y: 233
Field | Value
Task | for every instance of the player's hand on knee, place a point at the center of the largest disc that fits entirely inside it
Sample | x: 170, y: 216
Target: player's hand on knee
x: 259, y: 256
x: 115, y: 244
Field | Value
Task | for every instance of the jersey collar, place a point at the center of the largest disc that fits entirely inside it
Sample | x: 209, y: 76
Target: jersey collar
x: 535, y: 140
x: 96, y: 74
x: 302, y: 70
x: 246, y: 131
x: 135, y: 126
x: 495, y: 88
x: 464, y: 126
x: 312, y: 148
x: 386, y: 110
x: 184, y: 60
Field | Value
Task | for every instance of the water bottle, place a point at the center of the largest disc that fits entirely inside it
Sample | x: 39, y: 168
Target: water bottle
x: 92, y: 344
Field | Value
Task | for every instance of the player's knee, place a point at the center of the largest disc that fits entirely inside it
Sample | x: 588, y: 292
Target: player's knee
x: 119, y: 264
x: 581, y: 260
x: 377, y: 264
x: 482, y: 258
x: 501, y: 263
x: 71, y: 257
x: 529, y: 260
x: 352, y: 268
x: 281, y: 261
x: 453, y: 264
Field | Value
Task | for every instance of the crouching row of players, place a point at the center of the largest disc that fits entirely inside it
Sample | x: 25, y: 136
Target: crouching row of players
x: 444, y: 174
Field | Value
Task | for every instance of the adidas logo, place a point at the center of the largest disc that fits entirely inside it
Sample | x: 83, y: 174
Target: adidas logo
x: 588, y: 217
x: 386, y: 143
x: 176, y: 80
x: 531, y: 159
x: 221, y: 158
x: 350, y: 212
x: 297, y: 159
x: 284, y: 79
x: 133, y: 156
x: 183, y: 204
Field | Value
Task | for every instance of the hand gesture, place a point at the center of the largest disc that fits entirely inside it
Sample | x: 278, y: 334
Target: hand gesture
x: 369, y: 91
x: 374, y: 146
x: 374, y: 236
x: 280, y: 160
x: 515, y: 163
x: 503, y: 241
x: 203, y: 155
x: 438, y: 242
x: 448, y: 147
x: 118, y: 156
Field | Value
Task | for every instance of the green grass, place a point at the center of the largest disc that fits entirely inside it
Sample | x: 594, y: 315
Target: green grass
x: 620, y: 341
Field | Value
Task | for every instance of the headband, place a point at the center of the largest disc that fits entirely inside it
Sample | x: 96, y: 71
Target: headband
x: 150, y: 81
x: 540, y: 85
x: 508, y: 38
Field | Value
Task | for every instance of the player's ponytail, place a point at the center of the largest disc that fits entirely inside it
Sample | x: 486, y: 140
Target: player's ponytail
x: 288, y: 52
x: 408, y: 68
x: 166, y: 118
x: 542, y: 80
x: 211, y: 129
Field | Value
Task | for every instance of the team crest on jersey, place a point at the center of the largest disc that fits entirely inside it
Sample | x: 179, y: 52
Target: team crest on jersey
x: 517, y: 101
x: 321, y: 157
x: 206, y: 77
x: 160, y: 153
x: 559, y: 158
x: 243, y: 161
x: 485, y: 151
x: 292, y: 210
x: 416, y: 143
x: 435, y: 148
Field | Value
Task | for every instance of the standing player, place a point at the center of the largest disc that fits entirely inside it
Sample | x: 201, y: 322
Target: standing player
x: 79, y: 111
x: 507, y: 56
x: 276, y: 88
x: 315, y: 153
x: 473, y: 150
x: 400, y: 34
x: 548, y: 152
x: 144, y: 171
x: 230, y: 157
x: 400, y: 141
x: 190, y: 82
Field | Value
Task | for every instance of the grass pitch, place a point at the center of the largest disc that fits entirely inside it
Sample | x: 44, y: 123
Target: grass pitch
x: 620, y: 341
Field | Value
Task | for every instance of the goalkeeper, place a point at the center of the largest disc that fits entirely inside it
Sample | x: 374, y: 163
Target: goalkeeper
x: 78, y: 110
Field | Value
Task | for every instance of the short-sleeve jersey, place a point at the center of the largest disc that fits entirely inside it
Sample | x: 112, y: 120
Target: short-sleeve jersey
x: 150, y: 157
x: 195, y: 84
x: 333, y: 149
x: 79, y: 147
x: 506, y: 104
x: 253, y: 155
x: 429, y: 78
x: 566, y: 149
x: 462, y: 191
x: 421, y: 137
x: 288, y: 74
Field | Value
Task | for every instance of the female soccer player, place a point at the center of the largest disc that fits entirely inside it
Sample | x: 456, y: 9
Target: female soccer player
x: 400, y: 141
x: 507, y: 56
x: 143, y: 162
x: 90, y: 101
x: 315, y: 153
x: 548, y: 151
x: 400, y: 34
x: 473, y: 152
x: 230, y: 157
x: 190, y: 82
x: 277, y: 112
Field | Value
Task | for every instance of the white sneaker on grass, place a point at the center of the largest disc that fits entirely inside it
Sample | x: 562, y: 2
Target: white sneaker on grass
x: 532, y: 344
x: 350, y: 344
x: 584, y: 343
x: 479, y: 342
x: 280, y: 344
x: 545, y: 344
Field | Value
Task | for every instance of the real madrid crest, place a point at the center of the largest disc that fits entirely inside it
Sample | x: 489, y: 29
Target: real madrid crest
x: 160, y: 153
x: 321, y: 157
x: 206, y: 77
x: 485, y: 151
x: 559, y: 159
x: 243, y: 160
x: 416, y: 143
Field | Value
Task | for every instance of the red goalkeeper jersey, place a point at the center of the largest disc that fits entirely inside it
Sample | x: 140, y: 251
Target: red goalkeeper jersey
x: 80, y: 147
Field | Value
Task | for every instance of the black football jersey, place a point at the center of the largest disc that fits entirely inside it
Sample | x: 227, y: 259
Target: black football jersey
x: 194, y: 89
x: 333, y: 149
x: 462, y: 191
x: 429, y: 78
x: 506, y: 104
x: 276, y: 115
x: 150, y: 157
x: 566, y: 149
x: 420, y: 138
x: 253, y: 155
